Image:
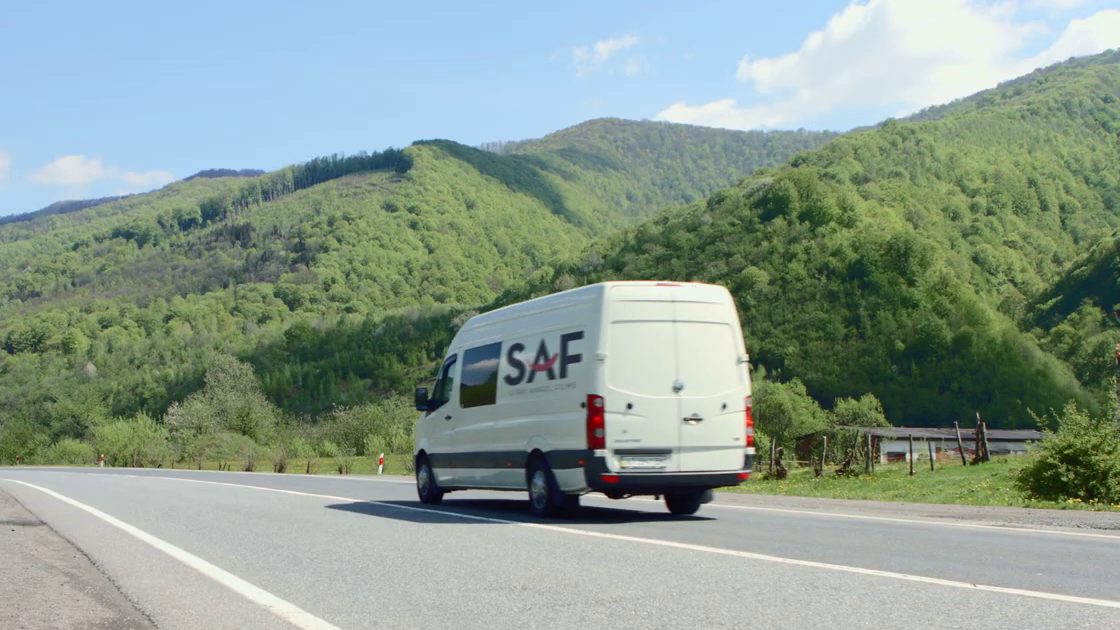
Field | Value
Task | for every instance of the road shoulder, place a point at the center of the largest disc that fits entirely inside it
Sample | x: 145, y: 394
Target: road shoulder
x: 50, y: 583
x: 991, y: 515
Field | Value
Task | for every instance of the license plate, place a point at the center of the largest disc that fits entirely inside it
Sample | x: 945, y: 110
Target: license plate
x: 633, y: 462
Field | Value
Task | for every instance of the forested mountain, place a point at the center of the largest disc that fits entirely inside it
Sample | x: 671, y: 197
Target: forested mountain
x: 119, y: 309
x: 924, y: 261
x: 672, y: 164
x: 960, y: 261
x: 58, y: 207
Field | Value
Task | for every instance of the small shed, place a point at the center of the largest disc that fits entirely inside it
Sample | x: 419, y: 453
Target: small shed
x: 891, y: 444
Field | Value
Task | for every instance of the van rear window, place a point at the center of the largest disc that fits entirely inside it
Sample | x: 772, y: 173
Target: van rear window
x: 709, y: 358
x: 478, y: 384
x: 642, y: 359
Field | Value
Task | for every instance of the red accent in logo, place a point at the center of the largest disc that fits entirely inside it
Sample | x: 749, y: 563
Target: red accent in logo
x: 546, y: 366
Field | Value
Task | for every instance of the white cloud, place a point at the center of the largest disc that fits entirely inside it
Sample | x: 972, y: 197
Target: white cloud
x: 5, y: 166
x: 1093, y: 34
x: 72, y: 170
x: 725, y: 113
x: 589, y: 59
x: 1055, y: 5
x: 901, y: 54
x: 634, y: 66
x: 79, y: 170
x: 147, y: 179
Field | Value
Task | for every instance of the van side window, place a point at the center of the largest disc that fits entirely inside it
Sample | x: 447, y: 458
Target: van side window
x: 445, y: 384
x: 479, y: 382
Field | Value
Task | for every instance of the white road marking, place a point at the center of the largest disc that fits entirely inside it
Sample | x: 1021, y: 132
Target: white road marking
x: 866, y: 517
x: 285, y: 610
x: 1010, y: 527
x: 1106, y: 603
x: 895, y: 519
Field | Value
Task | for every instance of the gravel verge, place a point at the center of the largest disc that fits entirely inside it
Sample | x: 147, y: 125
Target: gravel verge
x: 49, y: 583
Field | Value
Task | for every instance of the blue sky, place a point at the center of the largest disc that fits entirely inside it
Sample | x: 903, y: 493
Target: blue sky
x: 103, y: 98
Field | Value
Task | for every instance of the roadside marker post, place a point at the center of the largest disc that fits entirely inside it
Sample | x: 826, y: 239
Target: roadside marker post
x: 381, y: 463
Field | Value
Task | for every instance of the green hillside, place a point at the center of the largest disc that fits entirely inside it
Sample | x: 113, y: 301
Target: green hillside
x: 1074, y: 317
x: 906, y: 260
x: 668, y: 164
x: 120, y: 308
x: 959, y: 261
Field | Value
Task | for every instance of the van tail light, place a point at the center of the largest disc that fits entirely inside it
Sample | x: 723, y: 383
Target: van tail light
x: 750, y: 421
x: 596, y: 423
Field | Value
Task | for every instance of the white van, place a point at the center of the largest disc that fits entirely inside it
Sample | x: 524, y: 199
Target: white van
x: 625, y: 388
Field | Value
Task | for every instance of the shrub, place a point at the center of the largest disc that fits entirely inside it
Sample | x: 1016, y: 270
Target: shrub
x: 761, y: 451
x: 326, y: 448
x: 374, y: 445
x: 389, y: 421
x: 1080, y: 461
x: 68, y: 451
x: 138, y: 442
x: 301, y: 448
x: 19, y: 441
x: 222, y: 446
x: 345, y: 461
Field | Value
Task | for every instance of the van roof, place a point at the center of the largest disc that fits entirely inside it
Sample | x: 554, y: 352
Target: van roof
x: 577, y: 294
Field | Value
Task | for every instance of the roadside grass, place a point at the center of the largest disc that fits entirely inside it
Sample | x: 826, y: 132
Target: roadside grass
x: 991, y: 483
x: 395, y: 464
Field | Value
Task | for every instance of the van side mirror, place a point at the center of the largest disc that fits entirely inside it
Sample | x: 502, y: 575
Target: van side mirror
x: 421, y: 398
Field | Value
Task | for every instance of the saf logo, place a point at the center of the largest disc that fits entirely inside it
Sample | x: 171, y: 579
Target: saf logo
x: 542, y: 361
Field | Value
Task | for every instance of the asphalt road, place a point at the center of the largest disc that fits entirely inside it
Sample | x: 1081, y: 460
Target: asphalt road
x: 245, y: 550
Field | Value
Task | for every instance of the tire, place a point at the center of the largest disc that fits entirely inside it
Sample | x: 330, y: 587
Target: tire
x: 545, y: 498
x: 426, y: 486
x: 685, y: 503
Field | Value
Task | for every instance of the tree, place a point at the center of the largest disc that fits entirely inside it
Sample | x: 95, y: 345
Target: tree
x: 785, y: 411
x: 230, y: 400
x: 866, y: 411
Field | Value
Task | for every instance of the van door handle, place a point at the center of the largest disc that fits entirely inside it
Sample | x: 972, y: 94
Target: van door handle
x: 693, y: 419
x: 447, y: 417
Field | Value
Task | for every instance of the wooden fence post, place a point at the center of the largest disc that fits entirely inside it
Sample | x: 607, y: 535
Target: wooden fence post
x: 987, y: 453
x: 910, y: 436
x: 867, y: 464
x: 960, y: 443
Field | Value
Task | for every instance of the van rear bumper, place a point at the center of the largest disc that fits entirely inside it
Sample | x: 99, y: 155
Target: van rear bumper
x: 601, y: 479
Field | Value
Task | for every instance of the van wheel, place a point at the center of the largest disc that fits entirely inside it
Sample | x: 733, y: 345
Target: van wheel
x: 426, y: 487
x: 684, y: 503
x: 545, y: 498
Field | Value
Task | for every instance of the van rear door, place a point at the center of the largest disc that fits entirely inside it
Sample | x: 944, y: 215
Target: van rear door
x: 675, y: 383
x: 641, y: 368
x: 714, y: 383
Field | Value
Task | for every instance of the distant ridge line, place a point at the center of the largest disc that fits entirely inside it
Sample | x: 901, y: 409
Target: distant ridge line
x: 211, y: 173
